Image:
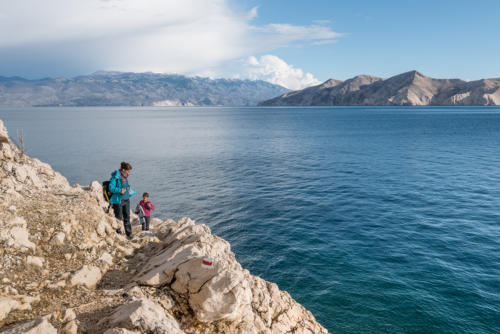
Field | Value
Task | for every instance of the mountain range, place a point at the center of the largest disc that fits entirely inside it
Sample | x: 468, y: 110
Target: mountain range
x: 406, y: 89
x: 134, y: 89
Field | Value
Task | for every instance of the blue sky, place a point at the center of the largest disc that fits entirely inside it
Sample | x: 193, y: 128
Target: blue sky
x: 290, y: 42
x: 439, y: 38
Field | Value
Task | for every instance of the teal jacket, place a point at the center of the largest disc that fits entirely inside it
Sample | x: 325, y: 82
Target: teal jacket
x: 116, y: 186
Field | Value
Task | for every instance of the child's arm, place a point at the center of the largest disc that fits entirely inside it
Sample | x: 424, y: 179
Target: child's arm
x: 151, y: 206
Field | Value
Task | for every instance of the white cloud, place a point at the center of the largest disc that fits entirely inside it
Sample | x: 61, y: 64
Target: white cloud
x: 299, y: 32
x: 272, y: 36
x: 253, y: 13
x: 174, y: 36
x: 324, y: 42
x: 269, y: 68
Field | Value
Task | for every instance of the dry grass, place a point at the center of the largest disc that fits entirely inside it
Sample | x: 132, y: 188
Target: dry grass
x: 20, y: 143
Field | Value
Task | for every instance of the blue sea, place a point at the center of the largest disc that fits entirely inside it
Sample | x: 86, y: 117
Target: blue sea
x: 376, y: 219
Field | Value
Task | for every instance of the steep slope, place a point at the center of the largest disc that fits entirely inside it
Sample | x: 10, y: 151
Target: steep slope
x: 64, y: 269
x: 480, y: 92
x: 134, y: 89
x: 306, y: 96
x: 406, y: 89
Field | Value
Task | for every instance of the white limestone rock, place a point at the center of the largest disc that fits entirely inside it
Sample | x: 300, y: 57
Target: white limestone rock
x: 224, y: 291
x: 7, y: 151
x: 222, y: 297
x: 136, y: 292
x: 15, y: 234
x: 28, y: 174
x: 106, y: 258
x: 35, y: 260
x: 56, y: 285
x: 26, y: 302
x: 8, y: 167
x: 101, y: 228
x: 70, y: 328
x: 67, y: 228
x: 215, y: 293
x: 58, y: 239
x: 104, y: 261
x: 96, y: 192
x: 37, y: 326
x: 6, y: 306
x: 60, y: 182
x: 127, y: 251
x: 145, y: 316
x: 4, y: 136
x: 20, y: 173
x: 88, y: 275
x: 156, y: 221
x: 44, y: 168
x: 68, y: 315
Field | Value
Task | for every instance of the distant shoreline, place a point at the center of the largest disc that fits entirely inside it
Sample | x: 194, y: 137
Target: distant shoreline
x: 406, y: 89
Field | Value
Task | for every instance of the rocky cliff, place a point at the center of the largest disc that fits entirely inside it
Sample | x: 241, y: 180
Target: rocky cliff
x: 134, y: 89
x: 407, y: 89
x: 64, y: 269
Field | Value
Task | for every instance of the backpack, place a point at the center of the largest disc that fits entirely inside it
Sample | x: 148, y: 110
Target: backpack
x: 106, y: 193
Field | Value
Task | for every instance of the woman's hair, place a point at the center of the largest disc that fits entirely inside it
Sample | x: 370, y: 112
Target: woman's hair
x: 145, y: 195
x: 125, y: 166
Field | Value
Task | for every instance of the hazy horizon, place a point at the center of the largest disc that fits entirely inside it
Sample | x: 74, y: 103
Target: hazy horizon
x: 225, y: 78
x: 292, y: 44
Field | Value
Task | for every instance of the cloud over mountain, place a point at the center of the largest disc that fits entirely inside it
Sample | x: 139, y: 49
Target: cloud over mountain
x: 58, y: 37
x: 275, y: 70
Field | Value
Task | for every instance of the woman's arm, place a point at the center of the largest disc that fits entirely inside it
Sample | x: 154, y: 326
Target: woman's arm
x: 114, y: 187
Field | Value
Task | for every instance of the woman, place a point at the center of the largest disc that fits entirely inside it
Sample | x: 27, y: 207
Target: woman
x: 121, y: 190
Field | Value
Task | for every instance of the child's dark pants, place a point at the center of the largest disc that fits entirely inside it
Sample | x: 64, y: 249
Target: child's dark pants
x: 145, y: 226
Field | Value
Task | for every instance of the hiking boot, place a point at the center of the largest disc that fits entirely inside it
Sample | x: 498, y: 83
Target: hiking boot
x: 130, y: 237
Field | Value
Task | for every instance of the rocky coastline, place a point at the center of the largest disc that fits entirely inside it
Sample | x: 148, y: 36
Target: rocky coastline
x: 65, y: 270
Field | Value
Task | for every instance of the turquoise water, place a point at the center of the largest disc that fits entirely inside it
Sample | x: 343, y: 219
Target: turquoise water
x: 378, y: 220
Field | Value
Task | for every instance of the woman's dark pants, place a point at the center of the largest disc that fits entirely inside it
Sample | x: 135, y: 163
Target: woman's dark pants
x: 122, y: 211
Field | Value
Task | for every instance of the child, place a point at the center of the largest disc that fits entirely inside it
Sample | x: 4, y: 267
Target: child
x: 146, y: 206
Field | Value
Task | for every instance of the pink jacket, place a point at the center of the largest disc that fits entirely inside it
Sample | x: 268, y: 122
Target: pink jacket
x: 147, y: 207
